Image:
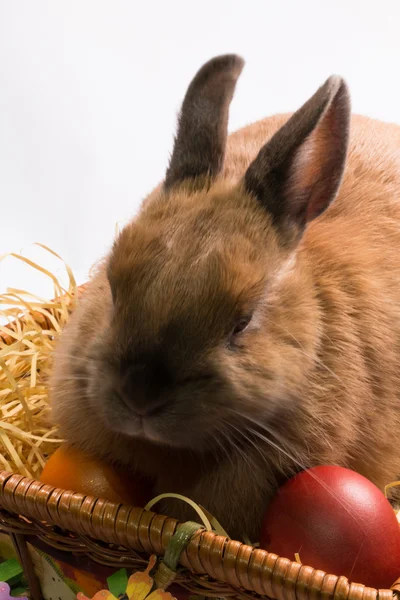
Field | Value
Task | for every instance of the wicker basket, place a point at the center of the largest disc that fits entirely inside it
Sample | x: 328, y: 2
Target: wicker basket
x: 116, y: 535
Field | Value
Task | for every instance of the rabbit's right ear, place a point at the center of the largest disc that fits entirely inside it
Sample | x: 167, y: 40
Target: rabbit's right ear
x: 200, y: 142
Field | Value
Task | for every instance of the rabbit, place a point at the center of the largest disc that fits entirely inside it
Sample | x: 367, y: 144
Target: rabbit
x: 246, y: 324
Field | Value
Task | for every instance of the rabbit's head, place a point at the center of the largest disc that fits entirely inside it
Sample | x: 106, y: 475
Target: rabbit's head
x: 205, y: 315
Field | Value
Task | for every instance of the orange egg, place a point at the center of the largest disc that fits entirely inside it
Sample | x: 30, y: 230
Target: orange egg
x: 70, y: 469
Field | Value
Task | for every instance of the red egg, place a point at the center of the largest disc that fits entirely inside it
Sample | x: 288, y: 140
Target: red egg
x: 337, y: 521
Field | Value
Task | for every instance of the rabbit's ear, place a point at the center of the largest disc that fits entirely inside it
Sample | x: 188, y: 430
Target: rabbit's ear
x: 297, y: 173
x: 203, y: 121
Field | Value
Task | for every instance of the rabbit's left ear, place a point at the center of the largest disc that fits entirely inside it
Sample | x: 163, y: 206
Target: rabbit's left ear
x: 200, y: 142
x: 297, y: 173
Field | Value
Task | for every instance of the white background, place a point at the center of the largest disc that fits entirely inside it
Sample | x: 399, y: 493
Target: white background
x: 89, y: 91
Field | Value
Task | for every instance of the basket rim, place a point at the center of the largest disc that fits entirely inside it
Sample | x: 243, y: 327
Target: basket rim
x: 228, y: 561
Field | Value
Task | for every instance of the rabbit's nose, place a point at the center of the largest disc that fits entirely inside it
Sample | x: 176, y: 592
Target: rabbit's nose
x: 141, y: 390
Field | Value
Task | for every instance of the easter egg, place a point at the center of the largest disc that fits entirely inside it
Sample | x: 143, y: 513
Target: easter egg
x: 337, y: 521
x: 70, y: 469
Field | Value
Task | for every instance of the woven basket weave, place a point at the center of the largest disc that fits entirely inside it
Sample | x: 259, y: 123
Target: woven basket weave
x: 122, y: 536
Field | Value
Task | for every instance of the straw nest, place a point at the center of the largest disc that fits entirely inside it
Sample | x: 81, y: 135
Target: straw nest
x: 29, y: 327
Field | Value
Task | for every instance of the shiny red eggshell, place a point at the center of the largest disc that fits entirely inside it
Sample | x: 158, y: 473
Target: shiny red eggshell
x: 338, y: 522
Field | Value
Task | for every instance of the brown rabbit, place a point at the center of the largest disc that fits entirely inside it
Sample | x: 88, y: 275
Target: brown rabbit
x: 246, y: 323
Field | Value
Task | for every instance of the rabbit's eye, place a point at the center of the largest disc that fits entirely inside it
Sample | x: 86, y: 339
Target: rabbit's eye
x: 241, y: 325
